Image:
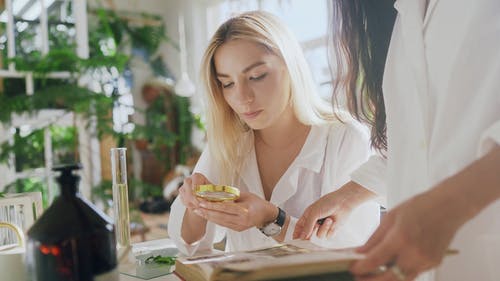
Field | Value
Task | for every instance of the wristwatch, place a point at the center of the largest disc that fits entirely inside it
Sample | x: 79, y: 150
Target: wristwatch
x: 274, y: 228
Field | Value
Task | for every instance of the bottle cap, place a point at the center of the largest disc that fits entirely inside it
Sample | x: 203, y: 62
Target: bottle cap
x: 217, y: 193
x: 67, y: 180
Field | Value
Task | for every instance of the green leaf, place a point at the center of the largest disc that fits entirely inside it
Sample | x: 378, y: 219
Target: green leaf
x: 167, y: 260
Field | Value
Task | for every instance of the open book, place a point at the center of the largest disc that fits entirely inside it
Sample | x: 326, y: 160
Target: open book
x: 284, y: 261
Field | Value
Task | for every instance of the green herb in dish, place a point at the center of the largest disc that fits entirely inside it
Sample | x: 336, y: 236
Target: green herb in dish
x: 161, y: 260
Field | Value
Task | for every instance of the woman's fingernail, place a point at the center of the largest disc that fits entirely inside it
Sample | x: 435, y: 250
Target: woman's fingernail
x: 198, y: 212
x: 203, y: 204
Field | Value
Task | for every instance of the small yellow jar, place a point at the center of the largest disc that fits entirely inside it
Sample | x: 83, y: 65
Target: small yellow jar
x: 217, y: 193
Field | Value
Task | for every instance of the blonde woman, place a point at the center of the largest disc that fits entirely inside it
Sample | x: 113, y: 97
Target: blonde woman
x: 271, y: 136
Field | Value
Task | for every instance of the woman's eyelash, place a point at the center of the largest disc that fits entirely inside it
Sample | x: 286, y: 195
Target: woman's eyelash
x: 227, y: 85
x: 256, y: 78
x: 260, y: 77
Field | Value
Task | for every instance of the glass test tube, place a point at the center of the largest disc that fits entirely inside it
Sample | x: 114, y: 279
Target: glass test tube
x: 120, y: 196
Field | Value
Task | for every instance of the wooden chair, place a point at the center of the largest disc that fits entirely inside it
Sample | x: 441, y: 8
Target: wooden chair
x: 20, y: 209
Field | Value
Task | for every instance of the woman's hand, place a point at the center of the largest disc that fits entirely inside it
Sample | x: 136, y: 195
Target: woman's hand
x: 331, y: 210
x: 193, y: 225
x: 186, y: 191
x: 412, y: 238
x: 322, y: 217
x: 246, y: 212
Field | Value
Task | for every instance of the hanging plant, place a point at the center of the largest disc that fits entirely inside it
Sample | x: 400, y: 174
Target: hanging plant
x: 110, y: 34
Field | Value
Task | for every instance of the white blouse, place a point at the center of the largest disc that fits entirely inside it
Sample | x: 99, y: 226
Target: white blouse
x: 442, y: 97
x: 325, y: 162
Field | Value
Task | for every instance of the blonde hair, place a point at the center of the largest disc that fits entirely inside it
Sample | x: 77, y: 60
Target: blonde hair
x: 227, y: 138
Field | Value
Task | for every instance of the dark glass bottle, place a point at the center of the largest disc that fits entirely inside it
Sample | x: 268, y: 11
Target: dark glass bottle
x: 72, y: 240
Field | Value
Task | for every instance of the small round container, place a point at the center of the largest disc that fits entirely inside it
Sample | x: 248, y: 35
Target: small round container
x: 217, y: 193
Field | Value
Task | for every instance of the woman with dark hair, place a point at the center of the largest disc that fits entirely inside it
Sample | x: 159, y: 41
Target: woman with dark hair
x: 361, y: 48
x: 436, y: 120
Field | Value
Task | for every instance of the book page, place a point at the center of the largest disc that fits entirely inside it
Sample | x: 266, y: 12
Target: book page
x: 289, y: 255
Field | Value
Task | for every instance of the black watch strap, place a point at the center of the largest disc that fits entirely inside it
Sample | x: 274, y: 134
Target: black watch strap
x: 280, y: 220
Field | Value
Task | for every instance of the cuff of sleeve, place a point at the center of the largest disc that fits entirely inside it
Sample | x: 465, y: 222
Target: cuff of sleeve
x: 187, y: 249
x: 489, y: 139
x: 174, y: 230
x: 204, y: 244
x: 372, y: 176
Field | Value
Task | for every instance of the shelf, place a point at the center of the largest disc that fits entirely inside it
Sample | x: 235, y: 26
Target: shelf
x: 43, y: 118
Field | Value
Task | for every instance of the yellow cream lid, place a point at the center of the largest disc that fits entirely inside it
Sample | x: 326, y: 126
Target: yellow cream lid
x: 217, y: 193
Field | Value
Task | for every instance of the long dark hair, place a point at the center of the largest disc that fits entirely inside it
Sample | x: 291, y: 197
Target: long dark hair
x: 361, y: 32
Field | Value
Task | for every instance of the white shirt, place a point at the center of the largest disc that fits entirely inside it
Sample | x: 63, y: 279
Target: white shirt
x: 442, y: 97
x: 330, y: 153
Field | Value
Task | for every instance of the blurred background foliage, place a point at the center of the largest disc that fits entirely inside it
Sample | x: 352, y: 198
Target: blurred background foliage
x: 112, y: 39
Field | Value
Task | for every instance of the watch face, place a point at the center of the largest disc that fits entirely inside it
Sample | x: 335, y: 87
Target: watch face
x: 271, y: 229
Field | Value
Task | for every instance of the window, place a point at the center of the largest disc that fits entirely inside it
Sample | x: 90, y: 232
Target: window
x: 308, y: 20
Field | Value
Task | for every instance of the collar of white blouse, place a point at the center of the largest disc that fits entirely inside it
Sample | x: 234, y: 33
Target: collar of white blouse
x: 310, y: 157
